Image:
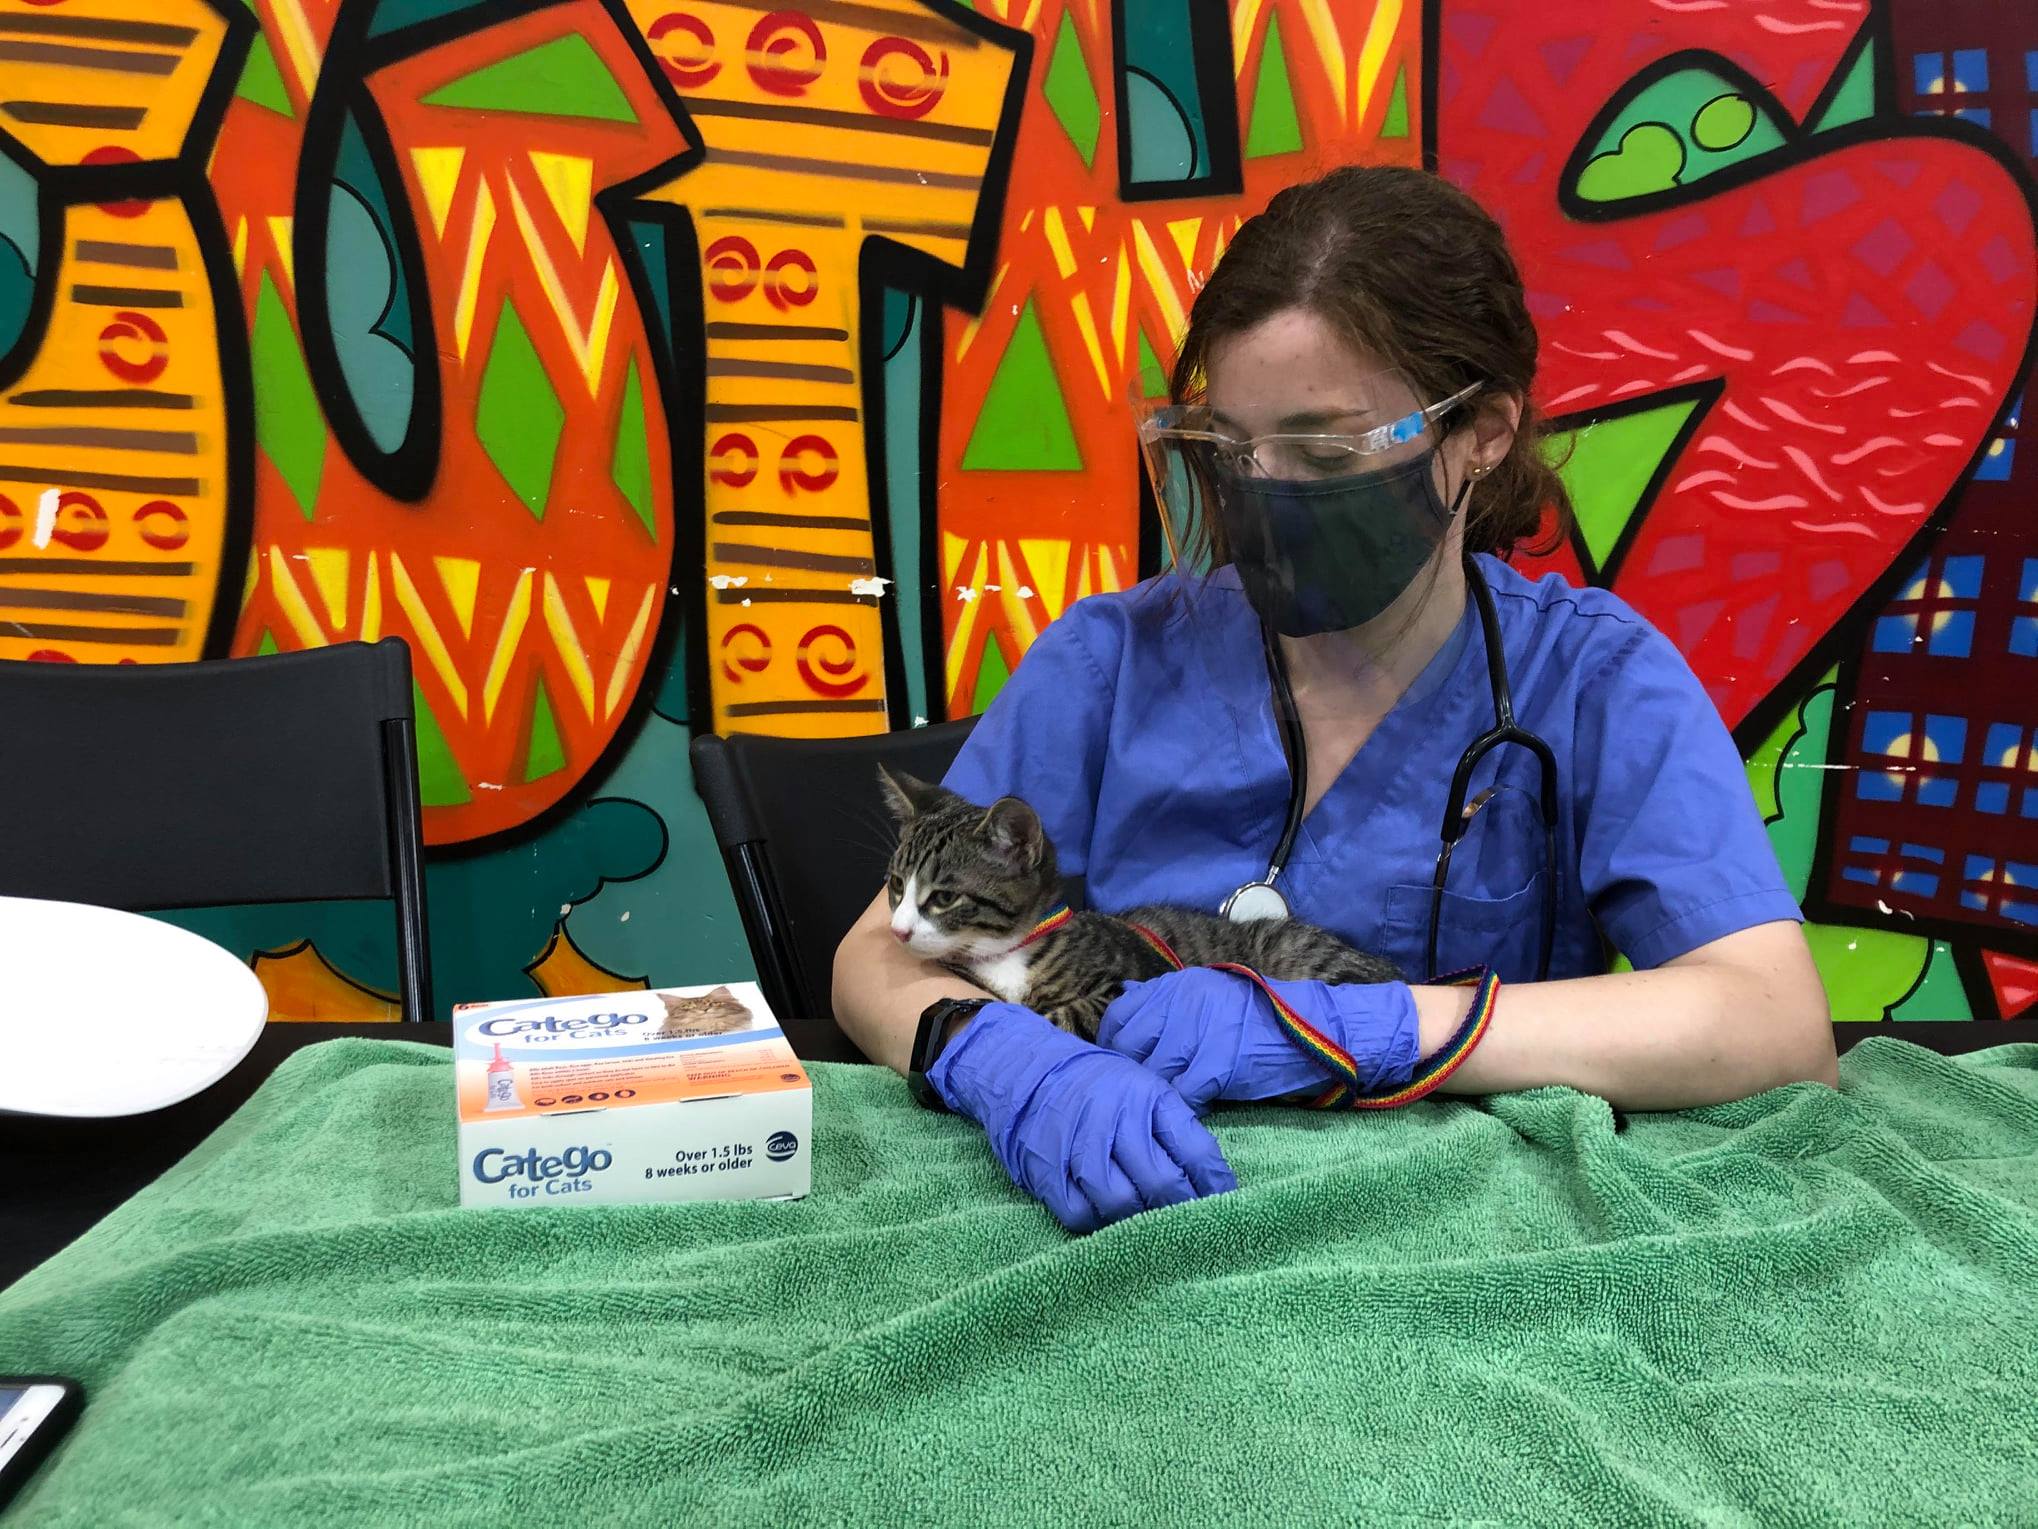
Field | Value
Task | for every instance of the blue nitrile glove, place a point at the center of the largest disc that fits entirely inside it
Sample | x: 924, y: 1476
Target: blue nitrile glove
x: 1213, y: 1034
x: 1093, y: 1136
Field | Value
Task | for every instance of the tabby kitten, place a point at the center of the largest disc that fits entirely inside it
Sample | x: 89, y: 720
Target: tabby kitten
x: 711, y: 1013
x: 968, y: 885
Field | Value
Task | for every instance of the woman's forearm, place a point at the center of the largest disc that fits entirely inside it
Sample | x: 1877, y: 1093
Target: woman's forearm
x: 881, y: 988
x: 1741, y: 1015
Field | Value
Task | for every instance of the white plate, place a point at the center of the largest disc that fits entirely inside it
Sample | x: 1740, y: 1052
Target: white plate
x: 107, y: 1013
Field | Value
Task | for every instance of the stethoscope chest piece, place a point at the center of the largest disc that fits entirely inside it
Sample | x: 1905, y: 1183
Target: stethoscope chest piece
x: 1255, y: 900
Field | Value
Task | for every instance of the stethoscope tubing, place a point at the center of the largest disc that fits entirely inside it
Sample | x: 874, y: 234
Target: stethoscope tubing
x: 1505, y: 731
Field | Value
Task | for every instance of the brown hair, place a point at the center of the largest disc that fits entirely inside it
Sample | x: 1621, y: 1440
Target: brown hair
x: 1414, y: 271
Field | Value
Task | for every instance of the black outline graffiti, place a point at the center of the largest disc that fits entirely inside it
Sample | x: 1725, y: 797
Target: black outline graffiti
x: 1217, y: 92
x: 1702, y: 394
x: 406, y: 473
x: 1579, y: 210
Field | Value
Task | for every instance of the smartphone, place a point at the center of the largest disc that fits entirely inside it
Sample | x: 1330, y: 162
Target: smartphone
x: 34, y: 1412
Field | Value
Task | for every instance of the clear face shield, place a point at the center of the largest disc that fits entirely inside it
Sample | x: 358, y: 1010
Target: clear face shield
x: 1327, y: 520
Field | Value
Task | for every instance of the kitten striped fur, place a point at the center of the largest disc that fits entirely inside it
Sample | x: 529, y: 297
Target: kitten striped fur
x: 969, y: 884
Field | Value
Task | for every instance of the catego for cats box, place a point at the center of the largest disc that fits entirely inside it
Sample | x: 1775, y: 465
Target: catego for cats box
x: 628, y: 1098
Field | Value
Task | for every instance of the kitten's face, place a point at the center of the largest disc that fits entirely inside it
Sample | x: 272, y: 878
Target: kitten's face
x: 966, y: 882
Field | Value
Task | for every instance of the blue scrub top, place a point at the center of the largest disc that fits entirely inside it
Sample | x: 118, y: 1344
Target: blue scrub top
x: 1141, y: 727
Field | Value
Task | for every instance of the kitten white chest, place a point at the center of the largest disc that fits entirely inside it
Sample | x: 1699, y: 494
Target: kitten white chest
x: 1005, y: 976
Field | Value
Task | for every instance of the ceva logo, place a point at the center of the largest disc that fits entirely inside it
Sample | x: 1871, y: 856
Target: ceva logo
x: 781, y: 1145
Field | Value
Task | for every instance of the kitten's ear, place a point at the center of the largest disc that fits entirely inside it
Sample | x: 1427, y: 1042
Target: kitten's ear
x: 722, y: 993
x: 906, y: 796
x: 1015, y: 833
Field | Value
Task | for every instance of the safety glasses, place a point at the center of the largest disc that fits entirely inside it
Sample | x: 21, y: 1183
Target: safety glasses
x: 1194, y: 430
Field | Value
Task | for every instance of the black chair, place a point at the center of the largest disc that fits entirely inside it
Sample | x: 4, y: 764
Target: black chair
x: 805, y: 836
x: 285, y: 778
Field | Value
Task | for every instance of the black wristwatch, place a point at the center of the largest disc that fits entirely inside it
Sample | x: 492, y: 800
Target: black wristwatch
x: 928, y: 1041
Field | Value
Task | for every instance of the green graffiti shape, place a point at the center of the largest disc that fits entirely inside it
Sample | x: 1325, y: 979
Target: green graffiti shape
x: 1275, y: 128
x: 562, y: 78
x: 261, y: 81
x: 440, y: 783
x: 518, y: 418
x: 1069, y: 93
x: 1024, y: 425
x: 289, y: 426
x: 1865, y: 971
x: 1609, y: 464
x: 631, y: 464
x: 1650, y: 159
x: 1723, y: 122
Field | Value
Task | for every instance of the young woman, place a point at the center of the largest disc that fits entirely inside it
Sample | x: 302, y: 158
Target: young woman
x: 1350, y: 448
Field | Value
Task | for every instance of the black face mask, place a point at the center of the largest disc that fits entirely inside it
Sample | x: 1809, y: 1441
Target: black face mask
x: 1331, y: 554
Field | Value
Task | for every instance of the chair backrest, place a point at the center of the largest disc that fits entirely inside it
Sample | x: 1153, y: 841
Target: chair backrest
x: 284, y: 778
x: 805, y: 836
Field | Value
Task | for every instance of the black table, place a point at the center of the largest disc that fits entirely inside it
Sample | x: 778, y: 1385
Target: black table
x: 59, y: 1177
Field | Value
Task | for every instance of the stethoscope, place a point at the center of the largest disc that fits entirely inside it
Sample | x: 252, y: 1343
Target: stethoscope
x: 1263, y: 899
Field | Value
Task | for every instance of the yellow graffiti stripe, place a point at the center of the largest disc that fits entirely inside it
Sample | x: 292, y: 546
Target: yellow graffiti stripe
x: 460, y: 577
x: 567, y: 641
x: 626, y: 659
x: 300, y: 44
x: 328, y: 567
x: 959, y: 643
x: 1080, y: 306
x: 1330, y: 48
x: 506, y: 641
x: 590, y: 344
x: 1121, y: 303
x: 427, y: 633
x: 290, y: 599
x: 371, y: 602
x: 1058, y: 241
x: 1245, y: 20
x: 438, y: 175
x: 470, y: 270
x: 1047, y: 564
x: 279, y: 235
x: 969, y: 330
x: 1159, y: 283
x: 1380, y: 32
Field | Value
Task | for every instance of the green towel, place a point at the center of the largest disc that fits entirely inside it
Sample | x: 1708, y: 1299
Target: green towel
x: 1812, y: 1307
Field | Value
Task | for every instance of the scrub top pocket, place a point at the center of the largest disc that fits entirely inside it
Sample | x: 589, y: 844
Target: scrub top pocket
x: 1502, y: 932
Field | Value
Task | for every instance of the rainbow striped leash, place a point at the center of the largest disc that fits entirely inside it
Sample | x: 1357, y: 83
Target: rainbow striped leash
x: 1058, y: 915
x: 1345, y: 1093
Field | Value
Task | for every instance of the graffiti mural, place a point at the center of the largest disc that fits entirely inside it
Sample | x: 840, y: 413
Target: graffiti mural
x: 663, y: 365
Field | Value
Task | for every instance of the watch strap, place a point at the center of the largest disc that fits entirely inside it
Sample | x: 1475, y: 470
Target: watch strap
x: 928, y: 1041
